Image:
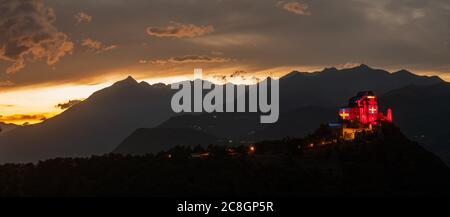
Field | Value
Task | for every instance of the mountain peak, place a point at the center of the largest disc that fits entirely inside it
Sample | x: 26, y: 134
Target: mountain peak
x: 403, y: 72
x: 293, y: 73
x: 330, y: 69
x: 363, y: 67
x: 159, y: 85
x: 129, y: 81
x: 407, y: 74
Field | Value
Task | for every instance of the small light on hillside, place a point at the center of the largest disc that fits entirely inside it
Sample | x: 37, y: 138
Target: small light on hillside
x: 251, y: 149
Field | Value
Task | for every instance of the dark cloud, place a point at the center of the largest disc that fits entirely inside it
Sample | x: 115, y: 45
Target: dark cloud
x: 28, y: 33
x: 189, y: 59
x: 238, y: 75
x: 179, y: 30
x: 68, y: 104
x: 82, y: 17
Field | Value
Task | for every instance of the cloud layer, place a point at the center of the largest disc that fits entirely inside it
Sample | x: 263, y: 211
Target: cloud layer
x: 82, y: 17
x: 261, y: 37
x: 179, y: 30
x: 189, y: 59
x: 23, y: 118
x: 6, y: 83
x: 28, y: 33
x: 97, y: 46
x: 296, y: 8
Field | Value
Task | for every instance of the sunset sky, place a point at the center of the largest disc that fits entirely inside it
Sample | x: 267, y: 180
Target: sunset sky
x: 54, y: 51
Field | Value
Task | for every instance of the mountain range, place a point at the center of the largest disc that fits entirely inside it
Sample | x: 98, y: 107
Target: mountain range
x: 108, y: 120
x: 332, y: 87
x: 421, y: 108
x: 94, y: 126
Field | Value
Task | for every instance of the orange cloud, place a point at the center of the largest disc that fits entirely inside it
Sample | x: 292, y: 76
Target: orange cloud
x: 82, y: 17
x: 296, y: 8
x: 189, y: 59
x: 24, y: 118
x: 97, y: 45
x: 6, y: 83
x: 348, y: 65
x: 179, y: 30
x: 33, y: 38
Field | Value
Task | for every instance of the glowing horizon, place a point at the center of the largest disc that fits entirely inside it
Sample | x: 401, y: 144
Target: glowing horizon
x: 36, y: 103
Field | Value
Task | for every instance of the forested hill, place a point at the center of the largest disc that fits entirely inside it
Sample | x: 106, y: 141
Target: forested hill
x: 386, y: 165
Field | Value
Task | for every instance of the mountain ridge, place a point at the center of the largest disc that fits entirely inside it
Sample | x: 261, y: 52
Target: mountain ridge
x: 91, y: 127
x: 99, y: 123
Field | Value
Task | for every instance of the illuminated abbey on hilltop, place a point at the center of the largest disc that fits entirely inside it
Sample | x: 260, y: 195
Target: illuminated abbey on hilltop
x: 362, y: 115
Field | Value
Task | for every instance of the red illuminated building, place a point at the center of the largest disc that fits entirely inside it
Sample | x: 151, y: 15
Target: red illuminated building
x: 363, y: 108
x: 362, y: 116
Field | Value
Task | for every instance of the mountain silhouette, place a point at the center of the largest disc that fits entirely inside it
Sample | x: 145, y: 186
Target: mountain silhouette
x: 307, y: 100
x: 297, y: 123
x: 423, y: 114
x: 94, y: 126
x: 4, y: 127
x: 332, y: 87
x: 245, y: 127
x: 101, y: 122
x: 388, y: 165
